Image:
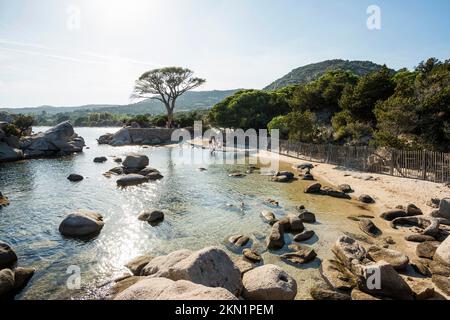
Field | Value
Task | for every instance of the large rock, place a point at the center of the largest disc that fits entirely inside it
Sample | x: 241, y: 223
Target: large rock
x: 136, y: 161
x: 8, y: 153
x: 395, y: 258
x: 381, y: 279
x: 442, y: 254
x: 275, y: 240
x: 211, y: 267
x: 138, y: 264
x: 7, y: 256
x: 167, y: 289
x: 59, y: 140
x: 269, y: 282
x: 427, y: 249
x: 82, y: 223
x: 6, y: 282
x: 444, y: 208
x: 131, y: 180
x: 347, y: 250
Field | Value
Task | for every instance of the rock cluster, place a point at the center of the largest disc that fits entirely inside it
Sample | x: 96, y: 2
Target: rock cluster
x: 58, y: 141
x: 12, y: 278
x: 135, y: 171
x: 207, y: 274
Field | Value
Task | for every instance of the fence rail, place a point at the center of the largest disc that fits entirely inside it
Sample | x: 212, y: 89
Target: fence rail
x: 423, y: 165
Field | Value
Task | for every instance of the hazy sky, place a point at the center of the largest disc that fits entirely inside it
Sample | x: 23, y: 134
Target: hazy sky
x: 70, y: 52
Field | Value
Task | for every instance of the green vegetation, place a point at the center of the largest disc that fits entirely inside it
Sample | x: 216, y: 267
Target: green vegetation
x: 404, y: 109
x: 312, y: 72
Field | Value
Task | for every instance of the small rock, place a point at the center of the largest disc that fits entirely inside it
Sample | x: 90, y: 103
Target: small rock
x: 419, y: 238
x: 295, y: 224
x: 75, y: 178
x: 389, y: 240
x: 236, y: 175
x: 334, y: 193
x: 427, y: 249
x: 420, y: 267
x: 151, y: 216
x: 336, y: 275
x: 273, y: 202
x: 239, y: 240
x: 413, y: 210
x: 7, y: 256
x: 302, y: 255
x: 252, y: 255
x: 154, y: 176
x: 396, y: 259
x: 6, y: 282
x: 268, y: 282
x: 314, y: 188
x: 369, y: 228
x: 304, y: 236
x: 81, y: 223
x: 100, y: 159
x: 117, y: 160
x: 308, y: 177
x: 281, y: 179
x: 393, y: 214
x: 138, y: 264
x: 116, y: 170
x: 22, y: 276
x: 364, y: 198
x: 321, y: 293
x: 345, y: 188
x: 275, y: 240
x: 269, y: 216
x: 307, y: 216
x: 131, y: 180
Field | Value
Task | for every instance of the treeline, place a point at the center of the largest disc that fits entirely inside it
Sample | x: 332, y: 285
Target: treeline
x: 403, y: 109
x: 107, y: 119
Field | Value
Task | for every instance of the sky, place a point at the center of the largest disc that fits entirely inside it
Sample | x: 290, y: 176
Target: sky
x: 77, y: 52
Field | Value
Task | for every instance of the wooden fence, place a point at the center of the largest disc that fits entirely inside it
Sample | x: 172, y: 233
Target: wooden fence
x: 423, y: 165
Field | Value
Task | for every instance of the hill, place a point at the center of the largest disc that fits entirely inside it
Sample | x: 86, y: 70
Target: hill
x: 192, y: 100
x: 314, y: 71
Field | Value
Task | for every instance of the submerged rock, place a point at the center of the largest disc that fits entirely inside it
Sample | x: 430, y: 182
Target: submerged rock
x: 268, y: 282
x: 239, y: 240
x: 81, y: 223
x: 167, y: 289
x: 269, y: 216
x: 131, y: 180
x: 151, y: 216
x: 252, y: 255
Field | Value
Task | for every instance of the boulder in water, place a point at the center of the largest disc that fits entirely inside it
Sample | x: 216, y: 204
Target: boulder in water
x: 82, y: 223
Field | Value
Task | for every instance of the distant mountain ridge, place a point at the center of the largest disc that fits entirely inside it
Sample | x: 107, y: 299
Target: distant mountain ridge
x: 311, y: 72
x: 191, y: 100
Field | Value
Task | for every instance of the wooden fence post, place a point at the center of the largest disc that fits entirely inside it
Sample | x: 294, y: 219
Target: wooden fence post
x: 424, y: 165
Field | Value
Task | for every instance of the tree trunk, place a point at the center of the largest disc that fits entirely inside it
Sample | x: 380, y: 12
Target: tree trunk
x: 169, y: 115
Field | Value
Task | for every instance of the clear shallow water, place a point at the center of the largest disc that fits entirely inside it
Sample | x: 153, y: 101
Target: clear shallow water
x: 202, y: 209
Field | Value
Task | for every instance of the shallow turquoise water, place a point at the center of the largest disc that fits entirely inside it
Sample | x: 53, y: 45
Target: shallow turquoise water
x: 202, y: 209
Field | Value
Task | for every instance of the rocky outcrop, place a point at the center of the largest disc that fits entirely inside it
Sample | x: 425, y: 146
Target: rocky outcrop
x: 82, y: 223
x: 167, y: 289
x: 210, y: 267
x: 58, y: 141
x: 137, y: 136
x: 268, y: 282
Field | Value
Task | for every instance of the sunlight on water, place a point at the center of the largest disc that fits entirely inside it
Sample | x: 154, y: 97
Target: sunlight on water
x: 202, y: 209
